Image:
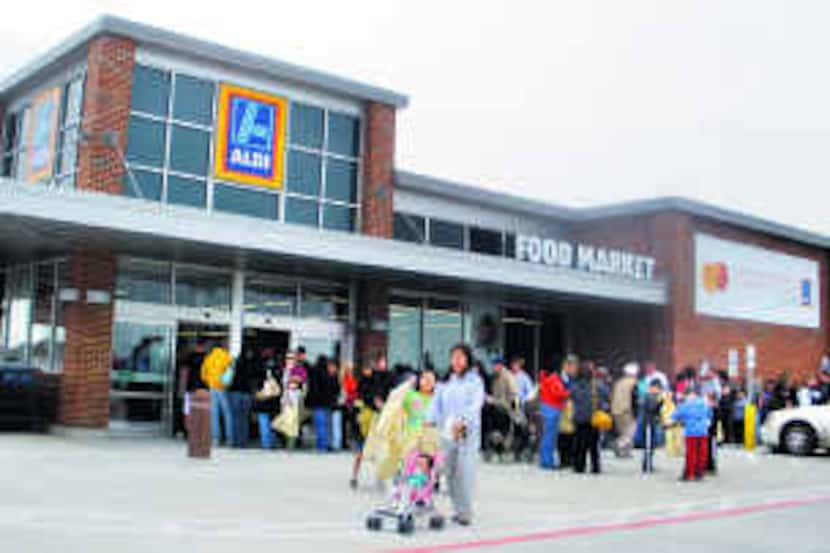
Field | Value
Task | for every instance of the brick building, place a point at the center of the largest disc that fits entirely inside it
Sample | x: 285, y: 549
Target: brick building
x: 157, y: 191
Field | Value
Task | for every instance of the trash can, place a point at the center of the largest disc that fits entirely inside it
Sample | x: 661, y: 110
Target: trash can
x: 198, y: 425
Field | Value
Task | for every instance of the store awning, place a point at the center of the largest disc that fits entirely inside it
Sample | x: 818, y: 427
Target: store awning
x: 41, y: 221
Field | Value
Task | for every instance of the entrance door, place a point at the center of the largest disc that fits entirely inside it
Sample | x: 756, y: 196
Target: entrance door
x: 140, y: 379
x: 521, y: 337
x: 189, y: 337
x: 258, y: 339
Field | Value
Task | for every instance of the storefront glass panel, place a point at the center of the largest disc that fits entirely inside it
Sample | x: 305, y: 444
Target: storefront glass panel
x: 404, y: 335
x: 262, y: 296
x: 140, y: 373
x: 19, y: 290
x: 442, y: 330
x: 42, y: 328
x: 203, y: 288
x: 322, y: 302
x: 144, y: 281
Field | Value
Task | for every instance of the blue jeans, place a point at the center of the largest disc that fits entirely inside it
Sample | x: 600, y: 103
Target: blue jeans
x: 550, y: 434
x: 337, y: 429
x: 240, y: 403
x: 322, y: 423
x: 220, y: 407
x: 267, y: 436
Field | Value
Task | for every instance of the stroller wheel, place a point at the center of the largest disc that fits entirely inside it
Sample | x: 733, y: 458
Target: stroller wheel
x: 406, y: 524
x: 373, y: 523
x: 436, y: 522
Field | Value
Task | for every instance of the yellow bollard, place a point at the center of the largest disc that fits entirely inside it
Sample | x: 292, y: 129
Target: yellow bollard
x: 749, y: 427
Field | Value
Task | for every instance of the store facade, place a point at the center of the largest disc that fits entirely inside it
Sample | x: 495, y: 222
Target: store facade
x: 159, y: 190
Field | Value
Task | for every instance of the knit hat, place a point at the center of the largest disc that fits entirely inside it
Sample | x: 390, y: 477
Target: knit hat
x: 631, y: 369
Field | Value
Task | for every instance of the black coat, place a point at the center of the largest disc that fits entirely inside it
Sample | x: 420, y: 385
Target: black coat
x: 378, y: 385
x: 270, y: 405
x: 323, y: 389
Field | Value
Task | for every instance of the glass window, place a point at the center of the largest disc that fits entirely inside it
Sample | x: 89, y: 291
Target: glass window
x: 148, y: 182
x: 60, y: 329
x: 141, y: 362
x: 325, y: 303
x: 341, y: 180
x: 151, y: 90
x: 404, y: 335
x: 189, y: 150
x: 186, y: 191
x: 307, y: 126
x: 344, y: 135
x: 73, y: 102
x: 300, y: 211
x: 262, y: 296
x: 485, y: 241
x: 446, y: 234
x: 143, y: 281
x: 145, y: 142
x: 68, y: 154
x: 201, y: 288
x: 19, y: 293
x: 193, y: 100
x: 510, y: 245
x: 338, y: 217
x: 255, y: 203
x: 42, y: 337
x: 303, y: 173
x: 442, y: 330
x: 410, y: 228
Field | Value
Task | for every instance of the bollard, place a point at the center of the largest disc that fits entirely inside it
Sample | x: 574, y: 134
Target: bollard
x: 198, y: 425
x: 749, y: 427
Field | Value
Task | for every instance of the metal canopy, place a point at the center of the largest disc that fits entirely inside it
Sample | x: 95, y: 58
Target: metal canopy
x: 39, y: 221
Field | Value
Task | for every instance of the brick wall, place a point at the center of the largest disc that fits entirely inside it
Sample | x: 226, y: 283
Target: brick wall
x: 377, y: 211
x: 106, y: 110
x: 377, y: 203
x: 684, y: 338
x: 779, y: 348
x: 87, y: 354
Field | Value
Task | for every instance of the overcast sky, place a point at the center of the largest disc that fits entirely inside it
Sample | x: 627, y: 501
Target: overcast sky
x: 574, y: 102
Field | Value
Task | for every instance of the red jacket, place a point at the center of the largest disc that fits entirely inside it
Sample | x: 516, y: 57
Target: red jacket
x: 552, y: 391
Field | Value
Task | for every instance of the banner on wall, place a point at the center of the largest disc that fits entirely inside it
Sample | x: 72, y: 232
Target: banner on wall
x: 737, y: 281
x: 250, y: 137
x: 40, y: 135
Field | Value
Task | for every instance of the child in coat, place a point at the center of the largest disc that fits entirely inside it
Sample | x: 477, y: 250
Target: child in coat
x: 695, y: 416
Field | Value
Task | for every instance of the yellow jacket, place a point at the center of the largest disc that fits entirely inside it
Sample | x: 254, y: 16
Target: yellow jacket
x: 214, y: 366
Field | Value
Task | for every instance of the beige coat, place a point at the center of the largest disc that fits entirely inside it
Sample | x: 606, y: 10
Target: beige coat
x: 505, y: 389
x: 621, y: 403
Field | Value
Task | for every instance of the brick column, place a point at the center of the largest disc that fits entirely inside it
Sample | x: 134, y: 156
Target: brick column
x: 88, y: 350
x: 377, y: 212
x: 106, y: 113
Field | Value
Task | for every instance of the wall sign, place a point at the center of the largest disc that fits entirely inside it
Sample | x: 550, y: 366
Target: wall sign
x: 40, y: 135
x: 738, y: 281
x: 583, y: 257
x: 250, y: 137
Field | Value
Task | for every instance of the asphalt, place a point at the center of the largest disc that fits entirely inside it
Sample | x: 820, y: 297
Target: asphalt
x: 99, y: 494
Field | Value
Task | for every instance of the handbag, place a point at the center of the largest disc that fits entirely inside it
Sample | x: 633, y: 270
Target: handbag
x: 227, y: 377
x: 566, y: 420
x: 602, y: 421
x: 270, y: 388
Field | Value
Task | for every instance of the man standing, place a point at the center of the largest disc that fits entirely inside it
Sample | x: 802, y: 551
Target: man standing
x: 524, y: 383
x: 622, y: 409
x: 217, y: 374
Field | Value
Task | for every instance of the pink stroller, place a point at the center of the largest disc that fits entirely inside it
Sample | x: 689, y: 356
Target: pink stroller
x: 413, y: 496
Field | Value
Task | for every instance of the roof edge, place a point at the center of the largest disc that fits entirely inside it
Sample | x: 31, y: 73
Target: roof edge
x: 149, y: 34
x: 577, y: 215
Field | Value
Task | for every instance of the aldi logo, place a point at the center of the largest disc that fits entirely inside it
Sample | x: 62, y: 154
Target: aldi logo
x: 250, y: 137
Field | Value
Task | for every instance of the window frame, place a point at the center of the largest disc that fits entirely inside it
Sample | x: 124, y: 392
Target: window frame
x: 169, y: 120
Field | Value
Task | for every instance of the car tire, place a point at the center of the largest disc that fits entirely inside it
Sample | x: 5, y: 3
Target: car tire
x: 798, y: 439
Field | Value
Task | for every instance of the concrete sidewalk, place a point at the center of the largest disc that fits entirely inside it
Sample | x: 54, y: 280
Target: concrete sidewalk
x: 145, y: 495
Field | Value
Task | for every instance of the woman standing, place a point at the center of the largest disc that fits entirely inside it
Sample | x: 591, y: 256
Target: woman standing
x: 585, y: 398
x: 456, y: 411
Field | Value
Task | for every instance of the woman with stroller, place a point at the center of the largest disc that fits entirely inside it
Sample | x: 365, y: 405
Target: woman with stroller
x: 456, y: 412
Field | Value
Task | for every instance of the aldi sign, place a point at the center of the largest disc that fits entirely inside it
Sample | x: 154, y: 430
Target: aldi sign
x: 250, y: 137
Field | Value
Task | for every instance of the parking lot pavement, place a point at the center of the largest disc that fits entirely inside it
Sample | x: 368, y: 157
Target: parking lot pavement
x: 145, y: 495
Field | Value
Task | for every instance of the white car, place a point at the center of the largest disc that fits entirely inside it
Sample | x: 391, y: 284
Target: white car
x: 799, y: 431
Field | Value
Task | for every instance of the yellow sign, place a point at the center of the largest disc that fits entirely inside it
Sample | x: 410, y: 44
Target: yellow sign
x: 40, y: 135
x: 250, y: 137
